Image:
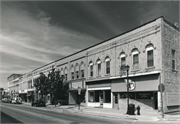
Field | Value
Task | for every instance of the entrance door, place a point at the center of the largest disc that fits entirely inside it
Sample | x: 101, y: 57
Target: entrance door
x: 115, y: 100
x: 155, y: 101
x: 101, y: 98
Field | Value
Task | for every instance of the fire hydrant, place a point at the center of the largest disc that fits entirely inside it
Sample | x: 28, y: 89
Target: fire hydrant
x: 138, y: 110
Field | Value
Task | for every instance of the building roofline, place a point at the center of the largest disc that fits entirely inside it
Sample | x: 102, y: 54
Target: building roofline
x: 14, y: 74
x: 170, y: 24
x: 101, y: 42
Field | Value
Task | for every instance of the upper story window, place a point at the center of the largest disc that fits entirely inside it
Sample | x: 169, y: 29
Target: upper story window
x: 82, y: 70
x: 91, y: 69
x: 72, y: 72
x: 173, y: 52
x: 98, y: 67
x: 135, y: 55
x: 107, y: 61
x: 123, y: 59
x: 77, y: 71
x: 66, y: 73
x: 150, y: 55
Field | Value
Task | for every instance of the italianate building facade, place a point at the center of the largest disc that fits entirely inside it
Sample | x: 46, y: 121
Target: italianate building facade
x: 152, y: 52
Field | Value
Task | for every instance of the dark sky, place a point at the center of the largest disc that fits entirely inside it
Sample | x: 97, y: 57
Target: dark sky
x: 36, y: 33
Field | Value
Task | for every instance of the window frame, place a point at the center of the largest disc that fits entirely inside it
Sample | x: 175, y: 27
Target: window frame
x: 91, y: 69
x: 135, y: 61
x: 150, y: 59
x: 173, y: 56
x: 108, y: 65
x: 98, y: 67
x: 149, y: 47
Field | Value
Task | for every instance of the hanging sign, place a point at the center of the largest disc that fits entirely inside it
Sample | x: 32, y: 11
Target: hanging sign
x: 132, y: 84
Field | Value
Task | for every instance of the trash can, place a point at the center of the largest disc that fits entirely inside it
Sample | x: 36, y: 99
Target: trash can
x: 131, y: 109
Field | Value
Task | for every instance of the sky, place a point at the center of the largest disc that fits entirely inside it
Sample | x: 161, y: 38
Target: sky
x: 35, y: 33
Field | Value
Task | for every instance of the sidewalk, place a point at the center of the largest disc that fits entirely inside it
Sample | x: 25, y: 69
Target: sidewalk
x: 114, y: 113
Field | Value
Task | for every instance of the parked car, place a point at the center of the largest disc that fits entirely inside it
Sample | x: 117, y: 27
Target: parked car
x: 19, y: 100
x: 4, y: 99
x: 38, y: 103
x: 7, y: 100
x: 13, y: 101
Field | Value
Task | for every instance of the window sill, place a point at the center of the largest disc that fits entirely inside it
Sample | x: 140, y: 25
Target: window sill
x: 107, y: 75
x: 98, y: 76
x: 135, y: 70
x: 152, y: 67
x: 173, y: 70
x: 91, y: 77
x: 78, y: 79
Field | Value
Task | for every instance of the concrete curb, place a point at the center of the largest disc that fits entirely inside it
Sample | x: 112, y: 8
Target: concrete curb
x: 116, y: 115
x: 139, y: 118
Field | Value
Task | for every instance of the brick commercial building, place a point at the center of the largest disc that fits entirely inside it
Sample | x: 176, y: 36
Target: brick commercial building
x: 152, y: 52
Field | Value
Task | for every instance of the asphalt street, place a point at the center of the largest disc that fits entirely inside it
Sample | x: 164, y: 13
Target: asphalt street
x: 28, y: 114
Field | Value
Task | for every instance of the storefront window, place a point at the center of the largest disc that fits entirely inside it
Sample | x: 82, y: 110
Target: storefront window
x: 96, y: 95
x: 91, y: 96
x: 107, y: 96
x: 123, y: 95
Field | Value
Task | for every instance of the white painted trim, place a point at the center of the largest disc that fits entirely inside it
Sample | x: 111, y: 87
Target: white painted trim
x: 134, y: 75
x: 101, y: 88
x: 122, y: 55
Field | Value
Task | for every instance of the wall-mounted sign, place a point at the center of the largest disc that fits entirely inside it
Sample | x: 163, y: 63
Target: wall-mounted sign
x: 144, y: 95
x: 132, y: 85
x: 173, y: 99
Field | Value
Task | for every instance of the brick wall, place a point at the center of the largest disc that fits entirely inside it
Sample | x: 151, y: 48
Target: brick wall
x: 170, y: 78
x: 145, y: 104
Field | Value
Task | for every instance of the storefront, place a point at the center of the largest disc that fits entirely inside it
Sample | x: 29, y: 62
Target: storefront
x: 144, y: 93
x: 23, y: 95
x: 30, y: 95
x: 99, y: 94
x: 73, y: 91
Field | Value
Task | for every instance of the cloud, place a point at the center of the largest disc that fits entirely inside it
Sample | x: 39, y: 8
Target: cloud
x: 29, y: 41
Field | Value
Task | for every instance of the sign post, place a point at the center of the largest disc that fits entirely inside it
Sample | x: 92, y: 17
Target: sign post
x: 79, y: 96
x: 161, y: 87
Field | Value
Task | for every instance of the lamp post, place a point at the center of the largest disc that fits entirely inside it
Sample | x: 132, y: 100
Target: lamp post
x: 127, y: 69
x: 79, y: 97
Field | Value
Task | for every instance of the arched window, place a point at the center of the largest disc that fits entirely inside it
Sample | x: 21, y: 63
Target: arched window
x: 150, y: 55
x: 72, y: 72
x: 98, y: 67
x: 123, y: 59
x: 77, y: 71
x: 135, y: 55
x: 82, y: 69
x: 91, y: 68
x: 107, y: 61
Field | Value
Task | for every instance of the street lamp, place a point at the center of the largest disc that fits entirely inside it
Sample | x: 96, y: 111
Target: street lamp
x: 79, y: 97
x: 127, y: 69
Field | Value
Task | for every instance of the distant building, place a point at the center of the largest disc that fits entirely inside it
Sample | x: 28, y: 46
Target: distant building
x: 151, y: 50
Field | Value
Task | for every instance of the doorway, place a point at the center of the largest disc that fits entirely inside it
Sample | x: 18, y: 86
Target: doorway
x: 101, y: 97
x: 155, y: 100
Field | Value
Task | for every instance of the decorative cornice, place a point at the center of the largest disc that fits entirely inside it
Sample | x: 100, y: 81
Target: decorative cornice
x: 134, y: 36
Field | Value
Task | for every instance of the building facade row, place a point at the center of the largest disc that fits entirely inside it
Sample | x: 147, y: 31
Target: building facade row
x: 153, y: 53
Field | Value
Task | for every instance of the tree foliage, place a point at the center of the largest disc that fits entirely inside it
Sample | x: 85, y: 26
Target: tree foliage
x: 52, y: 84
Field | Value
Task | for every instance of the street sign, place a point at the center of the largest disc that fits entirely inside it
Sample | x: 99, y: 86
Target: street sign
x: 161, y: 87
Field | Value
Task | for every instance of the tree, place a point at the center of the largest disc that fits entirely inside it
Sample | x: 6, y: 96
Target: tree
x: 41, y: 84
x: 53, y: 84
x: 56, y: 82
